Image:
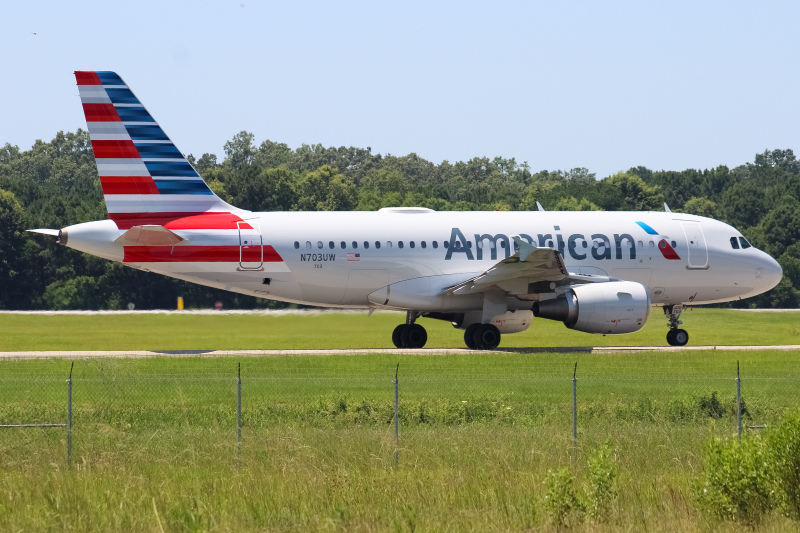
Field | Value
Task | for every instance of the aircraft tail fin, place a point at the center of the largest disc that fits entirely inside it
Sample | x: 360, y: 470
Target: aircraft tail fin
x: 145, y: 178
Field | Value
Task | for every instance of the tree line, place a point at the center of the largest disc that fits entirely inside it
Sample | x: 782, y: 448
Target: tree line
x: 55, y: 184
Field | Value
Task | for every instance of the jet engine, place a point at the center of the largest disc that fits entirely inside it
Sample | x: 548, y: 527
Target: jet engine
x: 608, y: 308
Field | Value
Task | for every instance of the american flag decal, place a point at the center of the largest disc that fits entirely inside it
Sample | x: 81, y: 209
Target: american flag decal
x: 354, y: 257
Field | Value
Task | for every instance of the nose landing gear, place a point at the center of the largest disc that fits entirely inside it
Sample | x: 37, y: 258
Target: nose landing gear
x: 410, y: 335
x: 675, y: 335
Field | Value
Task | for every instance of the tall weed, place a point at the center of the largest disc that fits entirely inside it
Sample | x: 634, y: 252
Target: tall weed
x: 601, y: 492
x: 738, y: 480
x: 784, y: 445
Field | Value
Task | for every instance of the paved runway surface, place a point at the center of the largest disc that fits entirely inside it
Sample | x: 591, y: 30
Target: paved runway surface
x: 424, y: 351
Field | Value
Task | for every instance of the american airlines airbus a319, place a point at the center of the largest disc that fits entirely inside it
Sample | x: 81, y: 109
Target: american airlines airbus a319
x: 488, y: 273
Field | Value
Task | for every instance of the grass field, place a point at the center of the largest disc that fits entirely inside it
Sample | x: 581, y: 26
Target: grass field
x: 707, y: 327
x: 154, y: 439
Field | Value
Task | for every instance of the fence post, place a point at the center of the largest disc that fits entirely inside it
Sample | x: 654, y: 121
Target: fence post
x: 69, y: 417
x: 239, y: 412
x: 738, y: 401
x: 575, y: 406
x: 396, y: 417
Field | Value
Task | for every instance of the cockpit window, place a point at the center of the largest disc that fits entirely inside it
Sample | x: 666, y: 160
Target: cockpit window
x: 734, y: 243
x: 745, y: 244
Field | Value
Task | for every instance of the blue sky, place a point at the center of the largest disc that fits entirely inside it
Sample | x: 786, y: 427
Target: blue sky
x: 603, y: 85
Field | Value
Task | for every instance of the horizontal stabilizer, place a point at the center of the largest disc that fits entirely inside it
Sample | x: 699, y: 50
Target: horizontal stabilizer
x: 44, y: 231
x: 150, y: 236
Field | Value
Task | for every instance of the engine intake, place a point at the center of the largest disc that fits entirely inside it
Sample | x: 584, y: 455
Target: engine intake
x: 609, y: 308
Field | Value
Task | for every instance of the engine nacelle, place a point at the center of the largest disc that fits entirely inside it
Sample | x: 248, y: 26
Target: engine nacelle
x: 609, y: 308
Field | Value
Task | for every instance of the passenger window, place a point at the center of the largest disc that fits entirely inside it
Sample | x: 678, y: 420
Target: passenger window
x: 435, y: 244
x: 355, y: 245
x: 469, y: 244
x: 745, y: 244
x: 319, y: 244
x: 399, y: 244
x: 641, y: 244
x: 388, y: 244
x: 366, y: 244
x: 343, y: 245
x: 411, y: 244
x: 652, y: 244
x: 674, y: 244
x: 377, y: 244
x: 734, y: 243
x: 308, y: 244
x: 446, y: 244
x: 296, y: 245
x: 423, y: 244
x: 331, y: 245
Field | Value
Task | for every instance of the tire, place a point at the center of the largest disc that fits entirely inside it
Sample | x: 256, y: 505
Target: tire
x: 414, y: 336
x: 671, y: 337
x: 469, y: 336
x: 397, y: 335
x: 681, y: 337
x: 487, y: 337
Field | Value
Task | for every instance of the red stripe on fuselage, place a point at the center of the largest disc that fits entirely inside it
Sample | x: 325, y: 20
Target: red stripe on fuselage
x: 667, y: 251
x: 87, y: 77
x: 179, y: 221
x: 101, y: 113
x: 128, y: 185
x: 208, y: 221
x: 195, y: 254
x: 115, y: 149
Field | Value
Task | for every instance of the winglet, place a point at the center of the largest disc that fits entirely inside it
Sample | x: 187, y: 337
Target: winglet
x: 525, y: 248
x: 539, y: 206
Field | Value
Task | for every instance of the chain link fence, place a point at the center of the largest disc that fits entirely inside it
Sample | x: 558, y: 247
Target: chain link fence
x: 125, y: 409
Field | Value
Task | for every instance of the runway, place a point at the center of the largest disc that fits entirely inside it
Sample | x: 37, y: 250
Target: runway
x: 10, y: 356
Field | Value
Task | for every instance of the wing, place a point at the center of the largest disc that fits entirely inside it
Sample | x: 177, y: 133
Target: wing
x: 530, y: 271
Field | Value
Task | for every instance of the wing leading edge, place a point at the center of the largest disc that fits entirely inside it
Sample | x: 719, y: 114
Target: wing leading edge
x: 515, y: 274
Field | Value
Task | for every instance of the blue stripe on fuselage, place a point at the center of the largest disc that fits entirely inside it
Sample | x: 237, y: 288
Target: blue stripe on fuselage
x: 648, y: 229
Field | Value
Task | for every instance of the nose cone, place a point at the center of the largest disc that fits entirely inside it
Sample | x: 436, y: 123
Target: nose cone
x: 772, y: 273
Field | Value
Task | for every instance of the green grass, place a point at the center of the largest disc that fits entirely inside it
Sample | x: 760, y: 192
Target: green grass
x: 155, y: 439
x: 349, y: 331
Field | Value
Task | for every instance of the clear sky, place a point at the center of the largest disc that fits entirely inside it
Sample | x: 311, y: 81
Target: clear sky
x: 603, y: 85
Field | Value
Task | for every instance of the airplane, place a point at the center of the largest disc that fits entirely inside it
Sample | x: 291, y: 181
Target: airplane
x: 488, y: 273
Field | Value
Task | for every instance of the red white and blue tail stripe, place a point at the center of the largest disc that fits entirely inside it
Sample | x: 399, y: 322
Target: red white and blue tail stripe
x: 145, y: 178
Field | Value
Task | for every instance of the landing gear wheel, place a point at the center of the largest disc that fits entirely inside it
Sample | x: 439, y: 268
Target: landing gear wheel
x: 397, y: 335
x: 486, y: 337
x: 413, y: 336
x: 469, y: 334
x: 677, y: 337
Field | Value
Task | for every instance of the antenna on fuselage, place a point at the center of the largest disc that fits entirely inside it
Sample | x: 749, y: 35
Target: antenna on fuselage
x: 539, y: 206
x: 666, y: 208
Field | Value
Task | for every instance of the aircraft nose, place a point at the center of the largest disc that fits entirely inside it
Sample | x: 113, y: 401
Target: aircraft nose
x: 770, y: 271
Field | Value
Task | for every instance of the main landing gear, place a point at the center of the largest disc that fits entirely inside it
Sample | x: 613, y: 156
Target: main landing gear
x: 675, y: 336
x: 410, y: 335
x: 482, y: 337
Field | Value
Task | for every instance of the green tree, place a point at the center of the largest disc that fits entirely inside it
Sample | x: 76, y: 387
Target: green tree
x: 702, y: 207
x: 571, y: 203
x: 239, y: 151
x: 630, y: 193
x: 13, y: 276
x: 325, y: 190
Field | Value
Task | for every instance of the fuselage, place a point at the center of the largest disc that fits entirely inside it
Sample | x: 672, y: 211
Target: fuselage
x: 339, y: 259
